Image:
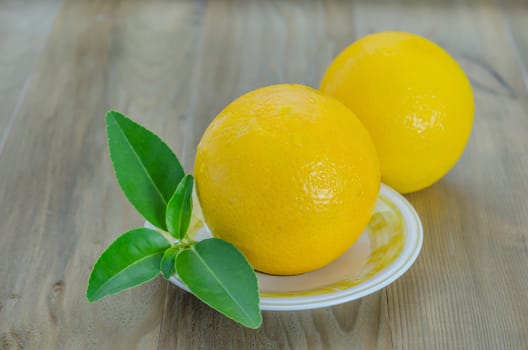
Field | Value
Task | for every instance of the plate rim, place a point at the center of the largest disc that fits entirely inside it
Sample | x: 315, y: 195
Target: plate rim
x: 378, y: 281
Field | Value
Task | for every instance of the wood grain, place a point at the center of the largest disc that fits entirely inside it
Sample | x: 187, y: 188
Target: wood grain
x: 471, y: 267
x: 475, y: 32
x: 293, y: 46
x: 60, y: 203
x: 24, y: 28
x: 173, y: 65
x: 463, y: 289
x: 514, y: 14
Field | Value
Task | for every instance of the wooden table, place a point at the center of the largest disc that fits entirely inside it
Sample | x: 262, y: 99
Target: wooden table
x: 172, y: 65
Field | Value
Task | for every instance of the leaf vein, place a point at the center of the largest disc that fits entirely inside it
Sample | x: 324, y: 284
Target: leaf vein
x: 153, y: 183
x: 221, y: 284
x: 124, y: 269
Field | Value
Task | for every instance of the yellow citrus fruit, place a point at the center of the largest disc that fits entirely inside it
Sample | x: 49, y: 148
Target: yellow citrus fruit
x: 414, y: 100
x: 289, y: 176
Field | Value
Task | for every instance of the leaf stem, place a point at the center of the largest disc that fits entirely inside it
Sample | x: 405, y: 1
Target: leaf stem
x: 167, y: 236
x: 184, y: 243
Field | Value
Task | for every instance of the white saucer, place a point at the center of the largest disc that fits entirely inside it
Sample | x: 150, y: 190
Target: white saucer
x: 386, y: 249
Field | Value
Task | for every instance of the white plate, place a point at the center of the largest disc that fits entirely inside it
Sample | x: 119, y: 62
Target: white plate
x: 386, y: 249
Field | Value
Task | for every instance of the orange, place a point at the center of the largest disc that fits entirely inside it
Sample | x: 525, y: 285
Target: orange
x: 414, y: 100
x: 289, y: 176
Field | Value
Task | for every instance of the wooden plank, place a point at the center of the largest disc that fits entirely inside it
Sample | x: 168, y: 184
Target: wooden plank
x: 465, y: 290
x: 24, y: 28
x: 189, y: 324
x: 515, y: 12
x: 246, y: 45
x: 474, y: 32
x: 172, y: 65
x: 60, y: 204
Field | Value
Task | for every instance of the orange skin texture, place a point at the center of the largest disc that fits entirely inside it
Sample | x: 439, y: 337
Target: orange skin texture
x: 413, y: 98
x: 289, y: 176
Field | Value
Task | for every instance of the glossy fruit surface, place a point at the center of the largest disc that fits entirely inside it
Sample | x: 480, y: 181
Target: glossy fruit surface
x: 289, y: 176
x: 413, y: 98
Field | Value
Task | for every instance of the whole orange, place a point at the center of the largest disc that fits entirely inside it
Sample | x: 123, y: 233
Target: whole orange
x: 413, y: 98
x: 289, y: 176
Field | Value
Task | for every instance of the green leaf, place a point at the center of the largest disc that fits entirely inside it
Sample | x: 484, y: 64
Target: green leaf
x: 219, y: 275
x: 132, y: 259
x: 146, y: 168
x: 179, y: 208
x: 169, y: 260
